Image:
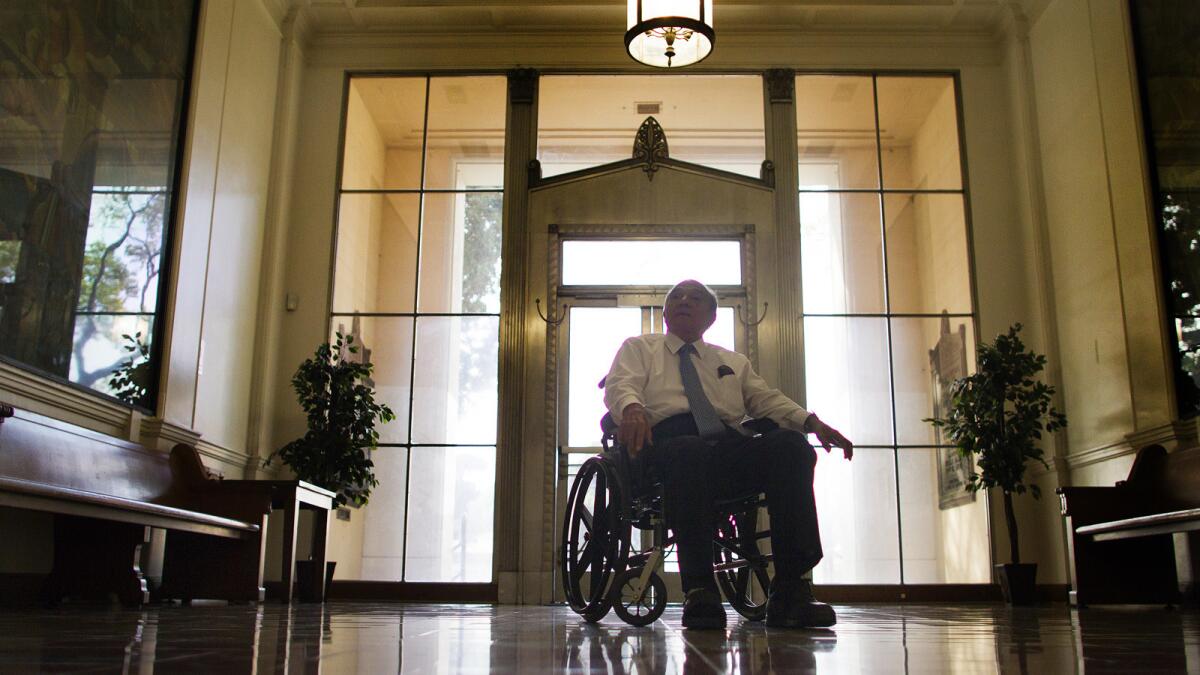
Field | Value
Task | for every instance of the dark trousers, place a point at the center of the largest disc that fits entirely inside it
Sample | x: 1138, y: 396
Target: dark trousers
x: 697, y: 473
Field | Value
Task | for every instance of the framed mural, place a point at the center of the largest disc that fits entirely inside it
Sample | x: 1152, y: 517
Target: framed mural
x: 947, y: 363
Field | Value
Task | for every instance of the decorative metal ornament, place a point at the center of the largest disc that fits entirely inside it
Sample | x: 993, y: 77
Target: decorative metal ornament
x: 670, y: 33
x: 650, y: 146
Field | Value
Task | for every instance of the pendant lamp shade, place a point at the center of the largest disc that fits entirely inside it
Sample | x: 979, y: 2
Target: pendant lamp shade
x: 670, y: 33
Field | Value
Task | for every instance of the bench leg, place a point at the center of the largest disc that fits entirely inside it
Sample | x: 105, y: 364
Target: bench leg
x: 96, y: 558
x: 1187, y: 555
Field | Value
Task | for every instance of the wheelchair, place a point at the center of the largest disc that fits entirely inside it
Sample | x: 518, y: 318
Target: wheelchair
x: 604, y: 566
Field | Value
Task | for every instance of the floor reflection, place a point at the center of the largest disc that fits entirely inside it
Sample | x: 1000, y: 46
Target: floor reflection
x: 386, y: 638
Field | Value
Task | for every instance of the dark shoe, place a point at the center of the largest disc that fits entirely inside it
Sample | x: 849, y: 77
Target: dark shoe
x: 793, y: 606
x: 703, y: 609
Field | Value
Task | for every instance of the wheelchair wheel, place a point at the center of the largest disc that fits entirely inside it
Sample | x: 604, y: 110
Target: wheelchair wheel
x: 741, y: 569
x: 637, y: 611
x: 595, y: 539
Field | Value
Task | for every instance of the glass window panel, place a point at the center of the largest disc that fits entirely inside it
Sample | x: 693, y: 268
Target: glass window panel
x: 136, y: 136
x: 842, y: 253
x: 1187, y: 377
x: 1164, y: 35
x: 596, y: 334
x: 465, y: 146
x: 723, y: 330
x: 928, y: 270
x: 835, y: 132
x: 387, y: 343
x: 456, y: 382
x: 944, y: 528
x: 450, y: 507
x: 666, y: 262
x: 123, y: 254
x: 92, y: 104
x: 928, y: 355
x: 383, y: 520
x: 918, y: 126
x: 713, y: 120
x: 846, y: 370
x: 100, y: 348
x: 375, y: 269
x: 856, y: 510
x: 460, y: 252
x: 385, y: 128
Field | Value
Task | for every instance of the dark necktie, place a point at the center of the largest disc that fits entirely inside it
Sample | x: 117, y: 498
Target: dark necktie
x: 707, y: 421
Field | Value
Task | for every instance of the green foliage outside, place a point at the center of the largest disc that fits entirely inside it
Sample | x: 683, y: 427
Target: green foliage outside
x: 335, y: 452
x: 107, y: 281
x: 481, y: 252
x: 130, y: 382
x: 999, y: 414
x: 480, y: 291
x: 10, y: 254
x: 1181, y: 263
x: 120, y: 270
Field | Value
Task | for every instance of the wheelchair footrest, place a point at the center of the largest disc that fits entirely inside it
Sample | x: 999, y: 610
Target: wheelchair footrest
x: 738, y: 564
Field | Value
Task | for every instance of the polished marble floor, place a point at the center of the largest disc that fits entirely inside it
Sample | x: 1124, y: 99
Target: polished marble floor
x: 388, y: 638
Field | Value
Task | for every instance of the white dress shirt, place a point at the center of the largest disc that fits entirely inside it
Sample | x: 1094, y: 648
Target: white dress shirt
x: 646, y: 371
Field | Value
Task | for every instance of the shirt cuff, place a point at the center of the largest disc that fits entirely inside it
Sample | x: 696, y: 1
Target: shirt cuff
x: 622, y: 404
x: 797, y: 419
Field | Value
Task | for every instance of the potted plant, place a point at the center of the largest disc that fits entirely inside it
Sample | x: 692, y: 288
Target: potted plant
x: 339, y: 401
x: 998, y: 415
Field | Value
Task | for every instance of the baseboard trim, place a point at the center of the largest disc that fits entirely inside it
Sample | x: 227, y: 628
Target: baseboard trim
x: 920, y: 593
x: 398, y: 591
x: 20, y: 589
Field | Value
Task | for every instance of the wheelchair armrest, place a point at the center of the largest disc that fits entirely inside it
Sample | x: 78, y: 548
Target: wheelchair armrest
x: 608, y: 425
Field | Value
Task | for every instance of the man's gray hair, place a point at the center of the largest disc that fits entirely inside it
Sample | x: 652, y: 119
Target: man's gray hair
x: 712, y: 295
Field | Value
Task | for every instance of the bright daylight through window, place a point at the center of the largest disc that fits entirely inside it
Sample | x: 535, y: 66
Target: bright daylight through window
x: 417, y: 281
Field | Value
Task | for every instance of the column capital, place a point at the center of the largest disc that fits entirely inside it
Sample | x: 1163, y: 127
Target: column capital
x: 781, y: 85
x: 522, y: 85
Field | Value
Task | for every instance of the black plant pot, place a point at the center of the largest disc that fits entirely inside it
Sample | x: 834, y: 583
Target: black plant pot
x: 1018, y: 582
x: 308, y: 588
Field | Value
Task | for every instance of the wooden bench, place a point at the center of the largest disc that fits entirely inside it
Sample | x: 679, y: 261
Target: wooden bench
x: 106, y: 494
x: 1133, y: 542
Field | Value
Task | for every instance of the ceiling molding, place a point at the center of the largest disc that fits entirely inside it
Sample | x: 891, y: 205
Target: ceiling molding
x: 605, y: 52
x: 278, y: 9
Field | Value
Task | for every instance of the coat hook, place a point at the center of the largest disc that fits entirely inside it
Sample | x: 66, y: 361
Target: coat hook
x: 752, y: 323
x: 553, y: 322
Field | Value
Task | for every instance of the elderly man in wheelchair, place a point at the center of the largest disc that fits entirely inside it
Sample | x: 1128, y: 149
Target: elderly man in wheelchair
x: 683, y: 460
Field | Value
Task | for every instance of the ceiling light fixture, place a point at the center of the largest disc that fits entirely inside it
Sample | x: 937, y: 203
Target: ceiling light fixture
x: 670, y: 33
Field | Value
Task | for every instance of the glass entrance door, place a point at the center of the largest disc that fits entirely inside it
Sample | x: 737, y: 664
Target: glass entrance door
x: 609, y: 303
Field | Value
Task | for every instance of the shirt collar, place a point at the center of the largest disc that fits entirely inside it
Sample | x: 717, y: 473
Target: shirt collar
x: 674, y: 343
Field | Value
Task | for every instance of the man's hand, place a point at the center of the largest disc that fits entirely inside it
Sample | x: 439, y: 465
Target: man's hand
x: 634, y: 430
x: 828, y: 436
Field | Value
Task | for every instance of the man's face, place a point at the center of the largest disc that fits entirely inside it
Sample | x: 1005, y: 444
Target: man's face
x: 689, y: 311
